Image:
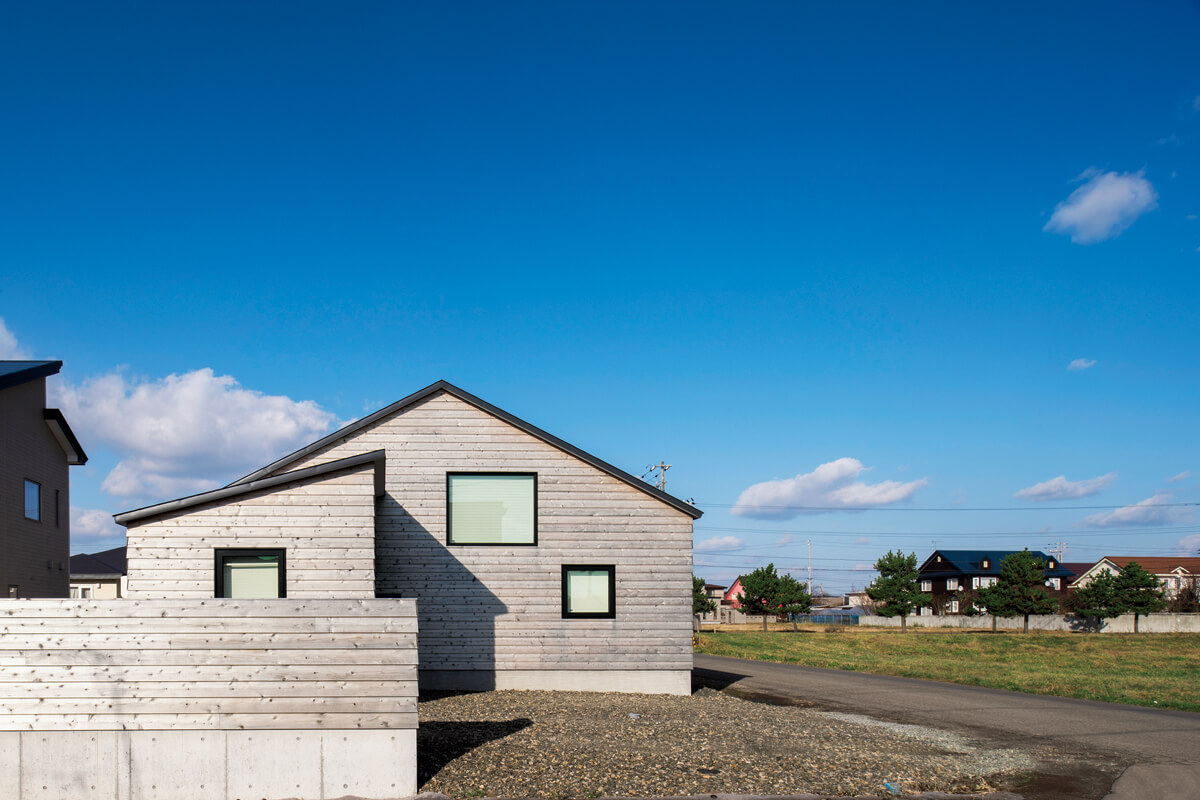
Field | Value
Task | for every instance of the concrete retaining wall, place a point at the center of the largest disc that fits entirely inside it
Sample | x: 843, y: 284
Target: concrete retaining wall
x: 207, y: 700
x: 1152, y: 623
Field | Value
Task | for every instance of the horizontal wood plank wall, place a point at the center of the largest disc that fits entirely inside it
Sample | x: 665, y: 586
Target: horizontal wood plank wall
x: 499, y: 607
x: 326, y: 525
x: 213, y: 664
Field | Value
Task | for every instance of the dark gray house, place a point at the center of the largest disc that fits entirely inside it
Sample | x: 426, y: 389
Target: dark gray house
x: 36, y: 449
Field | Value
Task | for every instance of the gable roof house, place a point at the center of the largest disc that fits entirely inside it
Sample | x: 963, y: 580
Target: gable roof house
x: 947, y: 573
x: 38, y: 448
x: 534, y: 564
x: 1174, y: 573
x: 99, y: 576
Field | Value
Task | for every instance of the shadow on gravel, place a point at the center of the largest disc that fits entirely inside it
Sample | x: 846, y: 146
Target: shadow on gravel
x: 713, y: 679
x: 439, y: 743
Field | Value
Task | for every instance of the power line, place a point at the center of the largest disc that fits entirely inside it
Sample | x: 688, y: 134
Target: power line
x: 948, y: 508
x: 1114, y: 531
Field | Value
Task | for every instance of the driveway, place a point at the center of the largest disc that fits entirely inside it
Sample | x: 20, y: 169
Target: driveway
x: 1155, y: 753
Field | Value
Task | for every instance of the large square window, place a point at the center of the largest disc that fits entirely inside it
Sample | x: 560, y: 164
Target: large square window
x: 33, y: 500
x: 589, y: 591
x: 251, y: 574
x: 491, y: 508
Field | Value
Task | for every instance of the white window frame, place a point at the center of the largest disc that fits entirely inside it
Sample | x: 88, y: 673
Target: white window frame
x: 926, y: 586
x: 952, y: 607
x: 952, y: 585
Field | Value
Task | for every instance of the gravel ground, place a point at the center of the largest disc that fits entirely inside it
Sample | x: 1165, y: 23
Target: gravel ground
x: 580, y: 745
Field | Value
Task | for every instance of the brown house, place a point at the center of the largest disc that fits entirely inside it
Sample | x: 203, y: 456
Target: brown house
x: 949, y: 575
x: 35, y: 504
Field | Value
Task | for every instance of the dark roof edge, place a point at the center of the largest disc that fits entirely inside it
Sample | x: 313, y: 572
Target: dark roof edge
x: 37, y: 369
x: 376, y: 457
x: 66, y: 437
x: 483, y: 405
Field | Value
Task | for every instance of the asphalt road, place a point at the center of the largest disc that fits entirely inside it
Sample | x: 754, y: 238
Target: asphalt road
x: 1159, y: 750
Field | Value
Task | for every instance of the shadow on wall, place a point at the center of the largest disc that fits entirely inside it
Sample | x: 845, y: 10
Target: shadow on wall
x: 439, y: 743
x: 456, y: 613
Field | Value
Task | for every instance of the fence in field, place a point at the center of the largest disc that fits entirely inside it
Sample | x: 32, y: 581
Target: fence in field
x: 1149, y: 623
x: 207, y: 700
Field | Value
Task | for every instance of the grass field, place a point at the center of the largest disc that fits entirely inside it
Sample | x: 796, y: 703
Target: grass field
x: 1159, y: 670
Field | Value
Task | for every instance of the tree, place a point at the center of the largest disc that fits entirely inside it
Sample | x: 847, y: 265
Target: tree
x: 701, y: 602
x: 1138, y: 592
x: 1097, y: 598
x: 760, y: 593
x: 1020, y: 590
x: 793, y: 597
x: 1187, y: 599
x: 897, y: 587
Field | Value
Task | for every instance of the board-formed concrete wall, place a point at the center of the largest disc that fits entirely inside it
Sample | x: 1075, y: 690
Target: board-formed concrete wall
x: 207, y: 700
x: 1149, y: 623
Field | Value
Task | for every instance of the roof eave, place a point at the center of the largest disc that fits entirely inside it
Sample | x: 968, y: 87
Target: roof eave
x: 375, y: 457
x: 58, y: 426
x: 483, y: 405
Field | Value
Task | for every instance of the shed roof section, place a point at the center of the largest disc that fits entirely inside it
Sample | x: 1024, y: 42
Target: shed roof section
x: 375, y: 458
x: 482, y: 405
x: 14, y: 373
x: 970, y: 562
x: 64, y: 436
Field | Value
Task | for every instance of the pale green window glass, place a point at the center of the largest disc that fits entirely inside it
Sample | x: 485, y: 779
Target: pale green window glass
x: 587, y: 591
x: 251, y: 577
x: 492, y: 509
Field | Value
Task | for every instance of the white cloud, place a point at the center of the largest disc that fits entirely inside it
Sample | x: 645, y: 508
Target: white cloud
x: 833, y: 486
x: 1081, y: 364
x: 94, y: 524
x: 1183, y: 476
x: 1103, y: 207
x: 1189, y: 545
x: 185, y: 433
x: 9, y: 349
x: 786, y: 539
x: 1155, y: 510
x: 863, y: 540
x: 719, y: 544
x: 1062, y: 489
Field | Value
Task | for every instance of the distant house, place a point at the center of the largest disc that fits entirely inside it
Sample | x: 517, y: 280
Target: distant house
x: 715, y: 593
x: 947, y: 574
x: 36, y: 449
x: 99, y: 576
x: 1173, y: 573
x: 534, y: 564
x: 731, y: 594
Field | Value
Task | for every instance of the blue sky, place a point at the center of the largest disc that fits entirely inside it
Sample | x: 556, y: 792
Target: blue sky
x: 750, y: 239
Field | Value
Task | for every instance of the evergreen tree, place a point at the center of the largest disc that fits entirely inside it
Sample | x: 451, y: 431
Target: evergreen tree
x: 897, y: 587
x: 701, y: 602
x: 760, y: 593
x: 1098, y: 598
x: 1138, y: 592
x: 1020, y: 590
x: 794, y: 597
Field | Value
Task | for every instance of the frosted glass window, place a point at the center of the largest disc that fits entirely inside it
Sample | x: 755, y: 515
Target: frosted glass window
x: 249, y: 575
x: 491, y: 508
x: 589, y: 591
x: 33, y: 500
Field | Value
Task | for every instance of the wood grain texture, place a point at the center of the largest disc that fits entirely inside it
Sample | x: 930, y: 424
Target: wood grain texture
x: 176, y: 664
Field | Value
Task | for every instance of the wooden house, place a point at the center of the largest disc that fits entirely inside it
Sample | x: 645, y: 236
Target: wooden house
x: 948, y: 574
x: 535, y: 565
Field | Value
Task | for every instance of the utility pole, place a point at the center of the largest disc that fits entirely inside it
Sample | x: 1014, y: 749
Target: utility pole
x: 1058, y: 550
x: 662, y: 468
x: 810, y: 566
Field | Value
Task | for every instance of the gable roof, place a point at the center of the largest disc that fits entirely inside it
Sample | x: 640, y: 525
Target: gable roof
x: 105, y: 564
x: 970, y: 562
x: 1158, y: 565
x: 375, y: 457
x: 486, y: 407
x: 14, y: 373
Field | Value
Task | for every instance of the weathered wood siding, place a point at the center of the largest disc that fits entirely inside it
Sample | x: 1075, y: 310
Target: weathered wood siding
x: 326, y: 524
x: 499, y: 607
x: 207, y: 665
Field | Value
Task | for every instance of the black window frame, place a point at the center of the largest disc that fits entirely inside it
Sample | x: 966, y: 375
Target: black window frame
x: 449, y: 528
x: 220, y: 553
x: 25, y: 501
x: 612, y: 591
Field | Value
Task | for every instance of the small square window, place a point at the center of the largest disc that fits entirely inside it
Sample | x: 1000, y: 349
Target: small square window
x: 926, y: 586
x: 491, y: 508
x: 251, y: 574
x: 589, y: 591
x: 33, y: 501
